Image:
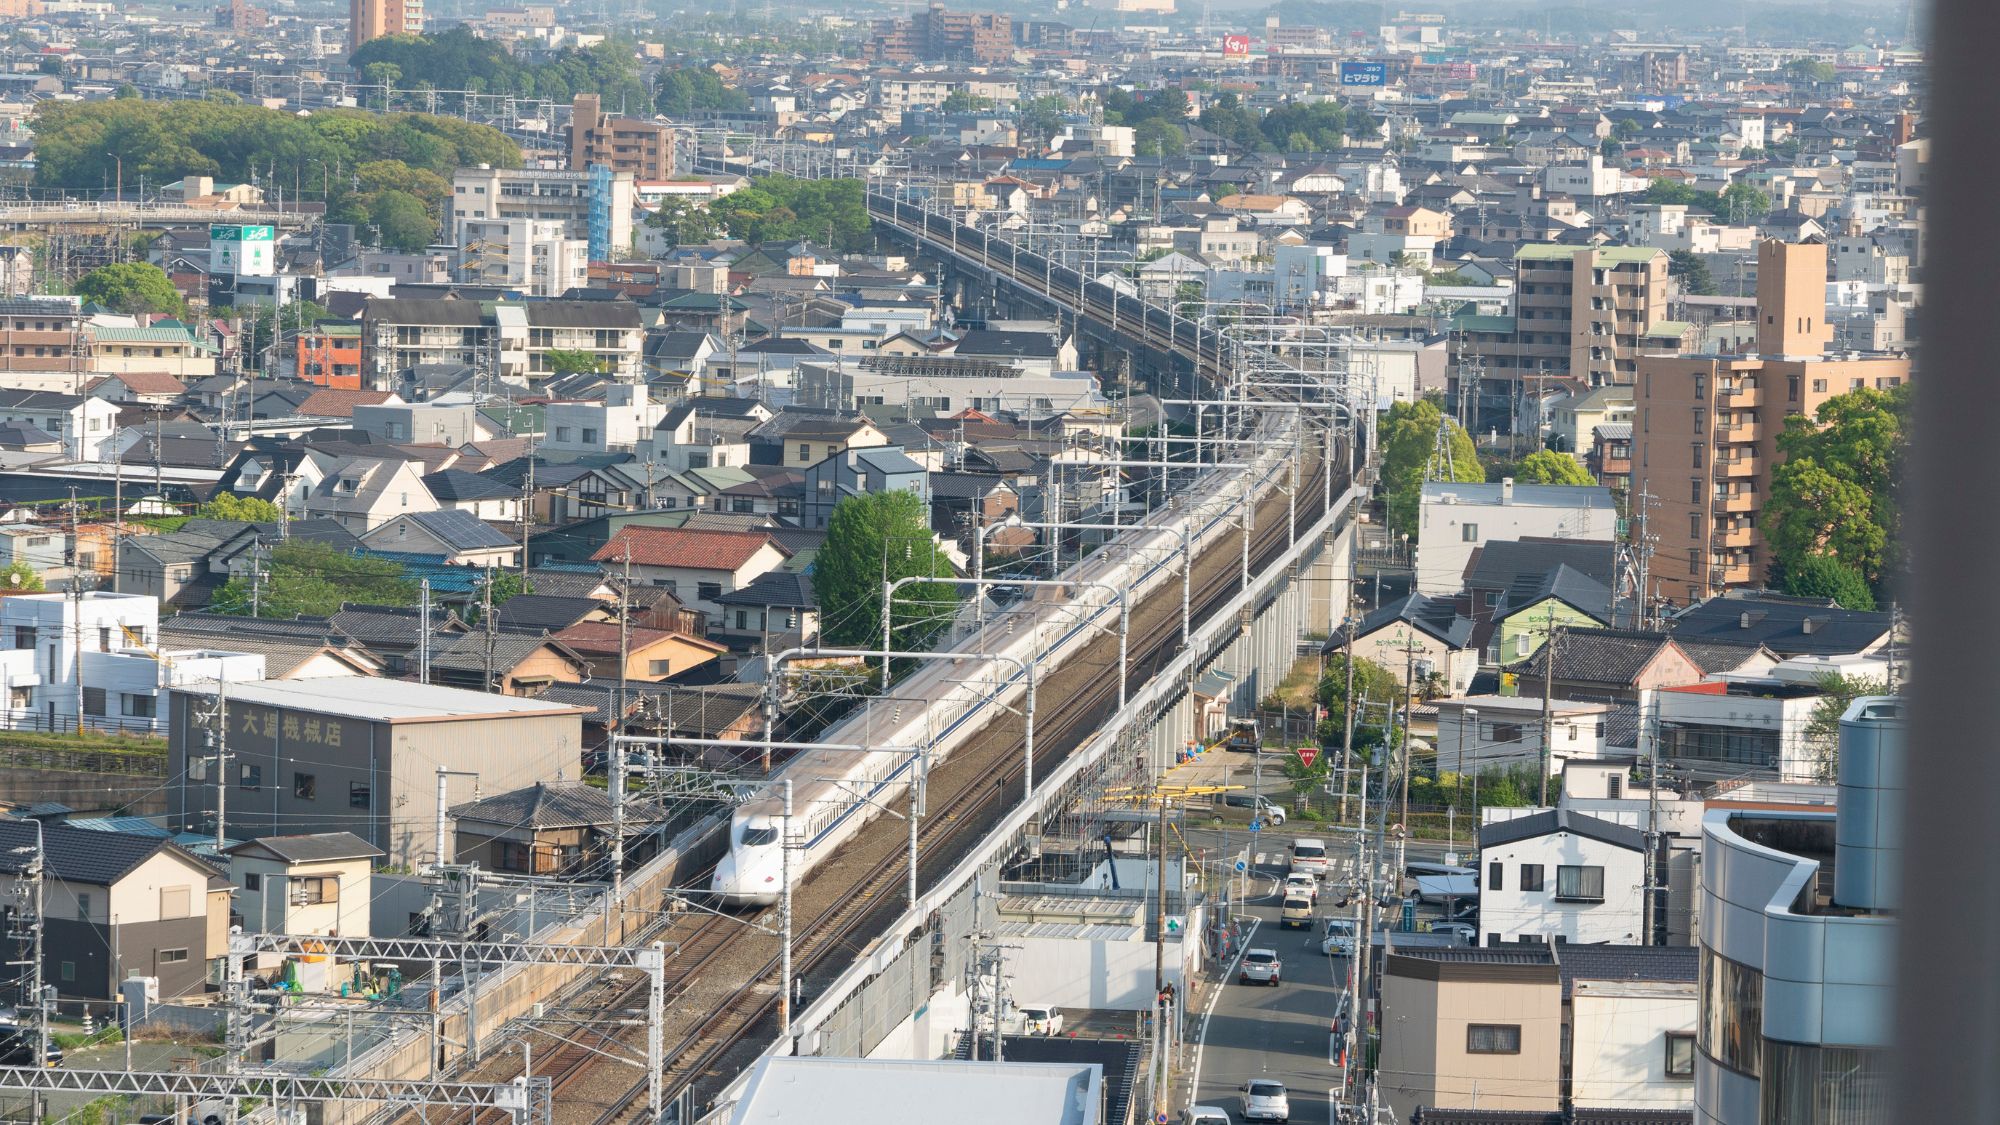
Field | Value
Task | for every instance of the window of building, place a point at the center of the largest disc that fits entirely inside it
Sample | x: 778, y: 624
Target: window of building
x: 83, y: 907
x: 313, y: 890
x: 357, y: 795
x: 1531, y: 877
x: 138, y: 706
x: 305, y: 786
x: 1694, y: 491
x: 176, y: 902
x: 708, y: 591
x: 1732, y: 1013
x: 67, y: 971
x: 805, y: 451
x: 1700, y: 421
x: 250, y: 777
x: 173, y: 956
x: 24, y: 636
x: 1699, y: 455
x: 93, y: 701
x: 1694, y: 525
x: 1579, y: 884
x: 1504, y: 732
x: 1495, y: 875
x: 1469, y: 532
x: 1493, y: 1039
x: 1680, y: 1054
x: 253, y: 881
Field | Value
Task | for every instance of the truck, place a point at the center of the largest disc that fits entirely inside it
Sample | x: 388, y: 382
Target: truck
x: 1243, y: 736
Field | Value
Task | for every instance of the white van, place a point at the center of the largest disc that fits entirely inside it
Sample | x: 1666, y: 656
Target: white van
x: 1309, y: 856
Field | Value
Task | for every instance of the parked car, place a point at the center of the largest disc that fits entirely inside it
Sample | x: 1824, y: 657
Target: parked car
x: 1309, y: 856
x: 1248, y: 805
x: 1265, y: 1100
x: 1243, y: 736
x: 1303, y: 885
x: 17, y: 1048
x: 1468, y: 934
x: 1260, y: 966
x: 1338, y: 937
x: 1040, y: 1019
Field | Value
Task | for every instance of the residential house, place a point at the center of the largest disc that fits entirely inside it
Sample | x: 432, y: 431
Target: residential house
x: 1471, y: 1027
x: 302, y: 649
x: 1560, y: 599
x: 321, y: 883
x: 1788, y: 626
x: 1037, y: 352
x: 1578, y: 415
x: 795, y: 438
x: 649, y: 654
x: 697, y: 567
x: 363, y: 493
x: 459, y: 538
x: 1421, y: 638
x: 115, y: 905
x: 858, y: 472
x: 776, y: 611
x: 1561, y: 876
x: 1454, y: 519
x: 166, y: 346
x: 615, y: 423
x: 1478, y: 733
x: 475, y: 494
x: 84, y: 424
x: 1740, y: 726
x: 146, y: 388
x: 1629, y: 665
x: 522, y: 664
x: 550, y: 828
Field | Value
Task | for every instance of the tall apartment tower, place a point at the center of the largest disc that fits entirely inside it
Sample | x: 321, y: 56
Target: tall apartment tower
x: 1705, y: 428
x: 373, y: 19
x: 622, y: 144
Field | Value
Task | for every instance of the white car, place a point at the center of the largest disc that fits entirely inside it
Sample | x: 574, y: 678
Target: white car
x: 1339, y: 939
x: 1264, y: 1100
x: 1301, y: 885
x: 1040, y: 1019
x: 1460, y: 930
x: 1260, y: 966
x: 1205, y: 1115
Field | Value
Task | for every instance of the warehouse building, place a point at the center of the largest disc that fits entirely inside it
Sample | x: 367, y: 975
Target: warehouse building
x: 357, y: 755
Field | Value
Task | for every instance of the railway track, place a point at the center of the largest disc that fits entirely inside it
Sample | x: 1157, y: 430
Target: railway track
x: 722, y: 992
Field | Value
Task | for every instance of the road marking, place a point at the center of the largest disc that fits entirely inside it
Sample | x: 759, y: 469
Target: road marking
x: 1201, y: 1036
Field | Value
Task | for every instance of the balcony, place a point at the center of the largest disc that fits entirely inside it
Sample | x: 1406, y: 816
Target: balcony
x: 1740, y: 397
x: 1733, y: 468
x: 1735, y: 503
x: 1736, y: 433
x: 1732, y: 539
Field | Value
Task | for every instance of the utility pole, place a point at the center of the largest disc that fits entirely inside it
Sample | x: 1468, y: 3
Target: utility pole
x: 76, y: 607
x: 527, y: 506
x: 1549, y: 638
x: 486, y: 620
x: 424, y: 632
x: 1655, y: 920
x: 256, y: 580
x: 217, y: 739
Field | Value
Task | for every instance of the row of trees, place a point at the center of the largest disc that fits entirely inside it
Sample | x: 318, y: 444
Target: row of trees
x: 683, y: 90
x: 390, y: 171
x: 775, y: 209
x: 1410, y: 456
x: 459, y: 60
x: 1737, y: 202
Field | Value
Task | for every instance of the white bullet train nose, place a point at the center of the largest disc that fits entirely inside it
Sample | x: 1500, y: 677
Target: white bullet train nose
x: 748, y: 877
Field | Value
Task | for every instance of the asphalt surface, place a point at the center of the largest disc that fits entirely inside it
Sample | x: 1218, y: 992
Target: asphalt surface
x: 1281, y: 1032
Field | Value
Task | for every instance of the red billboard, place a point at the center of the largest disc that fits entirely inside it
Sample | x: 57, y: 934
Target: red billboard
x: 1236, y: 46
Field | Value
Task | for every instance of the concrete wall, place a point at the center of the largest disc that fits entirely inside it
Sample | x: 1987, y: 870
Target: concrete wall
x: 1618, y: 1044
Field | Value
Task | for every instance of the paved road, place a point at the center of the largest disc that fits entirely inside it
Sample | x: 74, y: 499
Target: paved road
x: 1257, y: 1031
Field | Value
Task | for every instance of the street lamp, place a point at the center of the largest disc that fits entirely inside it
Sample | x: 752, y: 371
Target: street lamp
x: 118, y: 193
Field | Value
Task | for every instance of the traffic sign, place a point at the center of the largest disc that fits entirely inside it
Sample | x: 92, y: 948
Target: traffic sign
x: 1241, y: 866
x: 1174, y: 923
x: 1256, y: 826
x: 1308, y: 755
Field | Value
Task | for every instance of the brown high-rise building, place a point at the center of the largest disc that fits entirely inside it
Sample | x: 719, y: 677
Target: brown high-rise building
x: 372, y: 19
x: 622, y: 144
x: 938, y: 33
x: 1705, y: 429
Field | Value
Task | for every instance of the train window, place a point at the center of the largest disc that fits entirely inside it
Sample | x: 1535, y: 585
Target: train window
x: 758, y: 837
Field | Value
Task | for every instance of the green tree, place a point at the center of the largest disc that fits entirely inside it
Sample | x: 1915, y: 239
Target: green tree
x: 1696, y: 280
x: 683, y: 90
x: 1373, y: 683
x: 566, y: 361
x: 1809, y: 72
x: 305, y: 577
x: 1409, y: 456
x: 1835, y: 492
x: 1743, y: 203
x: 1817, y: 576
x: 782, y: 209
x: 127, y: 91
x: 965, y: 101
x: 1038, y: 119
x: 868, y: 538
x: 1545, y: 467
x: 504, y: 584
x: 229, y: 506
x: 1821, y: 735
x: 131, y: 287
x: 685, y: 221
x: 20, y: 578
x: 403, y: 220
x: 385, y: 75
x: 1157, y: 137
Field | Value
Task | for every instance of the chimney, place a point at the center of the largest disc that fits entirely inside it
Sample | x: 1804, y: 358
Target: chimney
x: 1868, y: 807
x: 1506, y: 490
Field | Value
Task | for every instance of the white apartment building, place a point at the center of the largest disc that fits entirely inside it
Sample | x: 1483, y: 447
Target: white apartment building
x: 616, y: 424
x: 535, y: 256
x: 1456, y: 519
x: 106, y: 641
x: 1561, y: 876
x: 574, y: 198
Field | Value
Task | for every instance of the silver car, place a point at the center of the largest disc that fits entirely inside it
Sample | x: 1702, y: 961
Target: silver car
x: 1260, y: 966
x: 1264, y: 1100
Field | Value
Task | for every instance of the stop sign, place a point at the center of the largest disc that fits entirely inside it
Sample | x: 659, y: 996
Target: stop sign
x: 1308, y: 755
